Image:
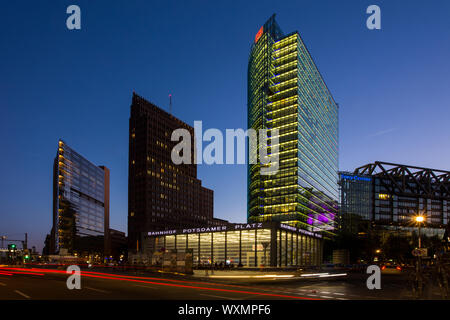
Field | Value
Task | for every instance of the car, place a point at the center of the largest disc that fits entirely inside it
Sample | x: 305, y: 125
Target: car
x: 391, y: 268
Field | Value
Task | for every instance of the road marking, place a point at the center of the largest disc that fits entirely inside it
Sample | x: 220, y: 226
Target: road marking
x: 220, y: 297
x: 326, y: 297
x: 94, y: 289
x: 325, y: 292
x: 2, y: 284
x: 136, y: 285
x: 341, y: 299
x: 340, y: 294
x: 22, y: 294
x: 312, y: 295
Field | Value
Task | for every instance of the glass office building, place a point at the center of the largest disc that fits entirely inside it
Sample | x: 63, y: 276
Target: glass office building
x: 356, y: 201
x: 80, y: 204
x: 287, y: 92
x: 246, y: 245
x: 390, y: 196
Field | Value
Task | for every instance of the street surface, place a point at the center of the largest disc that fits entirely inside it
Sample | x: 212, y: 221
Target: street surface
x: 50, y: 284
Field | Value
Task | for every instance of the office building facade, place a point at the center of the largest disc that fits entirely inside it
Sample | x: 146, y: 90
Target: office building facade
x: 390, y: 196
x: 80, y: 204
x: 356, y: 200
x: 268, y: 244
x: 118, y: 245
x: 161, y: 195
x: 287, y: 92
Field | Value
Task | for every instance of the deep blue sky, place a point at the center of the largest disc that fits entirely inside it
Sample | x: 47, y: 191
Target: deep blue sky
x: 392, y: 86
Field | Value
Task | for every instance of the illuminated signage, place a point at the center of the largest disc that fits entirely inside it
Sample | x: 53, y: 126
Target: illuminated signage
x: 259, y: 34
x: 288, y: 227
x: 243, y: 226
x: 207, y: 229
x: 248, y: 226
x: 295, y: 229
x: 161, y: 233
x: 355, y: 178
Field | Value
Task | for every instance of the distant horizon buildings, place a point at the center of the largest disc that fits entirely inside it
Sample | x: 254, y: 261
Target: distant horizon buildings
x: 161, y: 195
x: 287, y: 92
x: 80, y: 205
x: 387, y: 197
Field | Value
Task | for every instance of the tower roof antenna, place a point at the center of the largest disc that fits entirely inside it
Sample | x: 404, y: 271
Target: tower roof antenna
x: 170, y: 103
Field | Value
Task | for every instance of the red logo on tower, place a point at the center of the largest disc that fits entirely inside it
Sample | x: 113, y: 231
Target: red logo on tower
x: 259, y: 34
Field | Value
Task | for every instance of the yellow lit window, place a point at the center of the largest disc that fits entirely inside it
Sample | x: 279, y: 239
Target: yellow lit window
x: 383, y: 196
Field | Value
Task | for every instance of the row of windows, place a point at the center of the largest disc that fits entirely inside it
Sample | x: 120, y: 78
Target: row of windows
x: 248, y: 248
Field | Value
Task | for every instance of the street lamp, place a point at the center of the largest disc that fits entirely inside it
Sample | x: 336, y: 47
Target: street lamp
x: 419, y: 220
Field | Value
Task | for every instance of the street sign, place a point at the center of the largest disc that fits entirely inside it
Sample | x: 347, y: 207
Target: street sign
x: 422, y: 252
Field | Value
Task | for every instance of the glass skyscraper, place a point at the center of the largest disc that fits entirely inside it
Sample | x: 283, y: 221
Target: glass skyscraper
x: 80, y: 204
x: 287, y: 92
x: 356, y: 201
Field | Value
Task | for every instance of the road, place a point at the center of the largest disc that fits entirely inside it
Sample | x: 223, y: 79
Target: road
x: 50, y: 284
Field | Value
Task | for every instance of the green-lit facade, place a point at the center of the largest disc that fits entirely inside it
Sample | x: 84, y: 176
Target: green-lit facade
x: 287, y: 92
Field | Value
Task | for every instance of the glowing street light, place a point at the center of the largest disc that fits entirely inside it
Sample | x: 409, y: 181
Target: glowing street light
x: 419, y: 219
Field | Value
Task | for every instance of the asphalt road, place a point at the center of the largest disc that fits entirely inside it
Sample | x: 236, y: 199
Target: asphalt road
x: 51, y: 285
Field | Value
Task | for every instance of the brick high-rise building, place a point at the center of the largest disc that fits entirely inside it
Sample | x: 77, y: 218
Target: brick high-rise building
x: 161, y: 195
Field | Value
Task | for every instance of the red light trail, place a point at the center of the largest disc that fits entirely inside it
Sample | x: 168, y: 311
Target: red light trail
x: 137, y: 280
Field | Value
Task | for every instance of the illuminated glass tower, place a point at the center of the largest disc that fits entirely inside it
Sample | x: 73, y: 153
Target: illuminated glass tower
x: 80, y: 204
x: 286, y: 92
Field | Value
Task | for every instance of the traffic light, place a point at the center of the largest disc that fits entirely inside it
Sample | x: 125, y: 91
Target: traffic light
x: 11, y: 247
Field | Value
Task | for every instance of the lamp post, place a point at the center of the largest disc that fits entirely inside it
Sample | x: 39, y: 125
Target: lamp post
x: 419, y: 220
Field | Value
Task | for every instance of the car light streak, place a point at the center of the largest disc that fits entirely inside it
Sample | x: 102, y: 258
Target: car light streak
x: 203, y: 288
x: 128, y: 279
x: 143, y: 278
x: 259, y: 277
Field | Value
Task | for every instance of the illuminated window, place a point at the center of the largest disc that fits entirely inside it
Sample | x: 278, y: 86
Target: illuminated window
x: 383, y: 196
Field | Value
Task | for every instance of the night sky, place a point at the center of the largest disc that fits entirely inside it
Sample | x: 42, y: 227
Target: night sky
x: 392, y: 86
